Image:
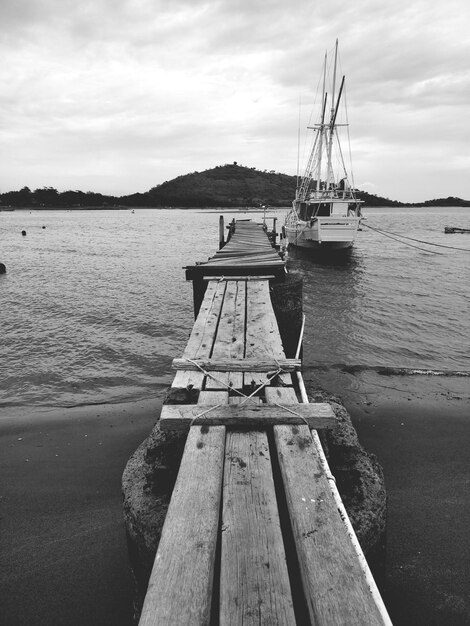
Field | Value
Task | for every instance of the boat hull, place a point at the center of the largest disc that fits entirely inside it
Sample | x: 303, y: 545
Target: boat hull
x: 336, y: 234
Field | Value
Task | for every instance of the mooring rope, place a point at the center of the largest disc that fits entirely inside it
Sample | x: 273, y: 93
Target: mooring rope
x: 381, y: 232
x: 428, y: 243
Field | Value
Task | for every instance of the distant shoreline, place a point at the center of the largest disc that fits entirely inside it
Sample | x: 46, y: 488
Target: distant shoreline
x: 229, y: 186
x: 216, y: 208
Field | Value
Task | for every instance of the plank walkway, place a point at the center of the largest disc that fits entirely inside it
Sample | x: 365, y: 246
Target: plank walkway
x: 253, y: 534
x: 247, y: 253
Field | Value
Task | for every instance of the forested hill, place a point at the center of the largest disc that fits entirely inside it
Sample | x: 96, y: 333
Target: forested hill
x: 227, y: 185
x: 230, y: 185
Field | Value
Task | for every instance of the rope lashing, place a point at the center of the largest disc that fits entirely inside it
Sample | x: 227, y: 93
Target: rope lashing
x: 229, y: 387
x: 221, y: 382
x: 204, y: 413
x: 245, y: 397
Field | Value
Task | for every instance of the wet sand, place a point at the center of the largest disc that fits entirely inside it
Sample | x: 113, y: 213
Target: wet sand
x: 63, y: 548
x: 419, y: 429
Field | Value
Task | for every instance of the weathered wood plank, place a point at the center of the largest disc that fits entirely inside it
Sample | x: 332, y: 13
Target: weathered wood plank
x: 202, y: 335
x: 182, y: 416
x: 334, y: 584
x: 262, y: 333
x: 268, y: 277
x: 243, y: 262
x: 230, y: 341
x: 196, y: 272
x: 254, y: 582
x: 226, y: 345
x: 180, y: 587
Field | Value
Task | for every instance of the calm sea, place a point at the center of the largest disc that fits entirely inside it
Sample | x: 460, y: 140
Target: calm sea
x: 94, y: 305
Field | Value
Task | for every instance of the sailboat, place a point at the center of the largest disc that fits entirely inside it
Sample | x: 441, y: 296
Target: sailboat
x: 325, y: 213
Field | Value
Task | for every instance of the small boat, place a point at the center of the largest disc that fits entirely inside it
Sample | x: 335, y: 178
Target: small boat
x: 325, y: 213
x: 455, y: 229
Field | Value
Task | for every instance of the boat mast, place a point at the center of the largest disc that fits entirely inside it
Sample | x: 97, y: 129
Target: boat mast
x: 313, y: 162
x: 298, y: 154
x: 322, y: 124
x: 332, y: 123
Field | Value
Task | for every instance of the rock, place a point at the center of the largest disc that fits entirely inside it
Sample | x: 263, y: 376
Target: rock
x: 3, y: 268
x: 147, y: 484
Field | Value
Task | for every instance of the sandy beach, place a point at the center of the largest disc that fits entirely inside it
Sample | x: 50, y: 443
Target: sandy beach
x: 63, y: 547
x: 419, y: 429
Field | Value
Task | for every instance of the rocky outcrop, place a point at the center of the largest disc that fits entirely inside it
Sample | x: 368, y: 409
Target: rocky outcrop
x: 150, y: 475
x: 147, y: 485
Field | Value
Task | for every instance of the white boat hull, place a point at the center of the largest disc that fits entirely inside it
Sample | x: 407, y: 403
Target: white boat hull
x: 324, y: 233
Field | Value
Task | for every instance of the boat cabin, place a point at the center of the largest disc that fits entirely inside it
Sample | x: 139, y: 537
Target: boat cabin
x: 308, y: 210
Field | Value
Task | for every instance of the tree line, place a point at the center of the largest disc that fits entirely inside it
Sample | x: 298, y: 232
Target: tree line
x: 230, y: 185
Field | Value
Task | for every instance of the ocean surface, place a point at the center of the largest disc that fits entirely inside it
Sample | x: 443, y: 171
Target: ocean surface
x: 94, y: 305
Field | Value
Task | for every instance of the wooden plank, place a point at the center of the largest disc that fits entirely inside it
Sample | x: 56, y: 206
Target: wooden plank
x: 182, y: 416
x: 197, y: 271
x: 224, y: 346
x: 247, y: 259
x: 230, y: 341
x: 268, y: 277
x: 254, y: 582
x: 248, y: 246
x: 202, y: 335
x: 334, y: 584
x: 262, y: 332
x: 180, y: 587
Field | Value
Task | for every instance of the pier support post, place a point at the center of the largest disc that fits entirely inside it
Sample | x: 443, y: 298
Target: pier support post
x: 286, y: 298
x: 199, y: 289
x: 221, y: 232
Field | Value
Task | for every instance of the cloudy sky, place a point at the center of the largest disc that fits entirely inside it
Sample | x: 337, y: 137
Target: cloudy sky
x: 118, y: 96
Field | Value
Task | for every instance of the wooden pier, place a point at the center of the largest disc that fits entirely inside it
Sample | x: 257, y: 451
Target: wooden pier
x: 253, y: 533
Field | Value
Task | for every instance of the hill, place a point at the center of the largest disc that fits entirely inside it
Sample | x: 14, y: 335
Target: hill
x: 230, y: 185
x: 225, y: 185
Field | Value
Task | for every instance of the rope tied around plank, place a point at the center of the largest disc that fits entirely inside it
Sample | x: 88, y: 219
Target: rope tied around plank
x: 271, y: 376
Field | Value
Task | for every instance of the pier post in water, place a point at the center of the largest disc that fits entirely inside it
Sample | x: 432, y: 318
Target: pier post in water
x: 221, y: 232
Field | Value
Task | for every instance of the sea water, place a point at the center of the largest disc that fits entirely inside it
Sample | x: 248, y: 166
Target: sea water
x: 94, y: 305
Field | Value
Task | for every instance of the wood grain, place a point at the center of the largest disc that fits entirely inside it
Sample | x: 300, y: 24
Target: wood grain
x: 202, y: 335
x: 182, y: 416
x: 229, y: 344
x: 262, y: 333
x: 254, y: 582
x: 180, y: 587
x: 230, y: 341
x: 334, y: 584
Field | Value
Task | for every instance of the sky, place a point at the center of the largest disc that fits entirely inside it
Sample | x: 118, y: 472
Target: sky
x: 118, y: 96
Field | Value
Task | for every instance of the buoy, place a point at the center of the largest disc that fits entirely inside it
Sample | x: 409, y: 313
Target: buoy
x: 3, y: 269
x: 23, y: 232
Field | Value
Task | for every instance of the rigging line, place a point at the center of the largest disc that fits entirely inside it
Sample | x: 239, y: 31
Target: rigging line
x: 403, y: 242
x: 340, y: 152
x: 429, y: 243
x: 351, y: 181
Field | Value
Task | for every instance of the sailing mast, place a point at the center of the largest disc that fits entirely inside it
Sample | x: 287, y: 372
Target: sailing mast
x: 322, y: 123
x: 316, y: 150
x: 329, y: 173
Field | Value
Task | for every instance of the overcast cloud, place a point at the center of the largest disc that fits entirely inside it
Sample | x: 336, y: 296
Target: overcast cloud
x: 118, y: 96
